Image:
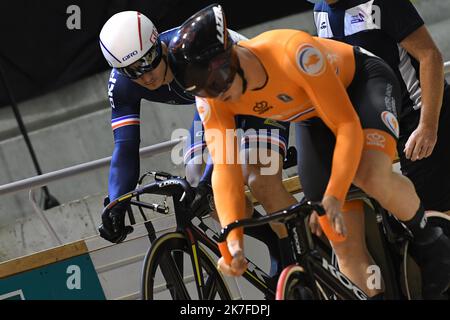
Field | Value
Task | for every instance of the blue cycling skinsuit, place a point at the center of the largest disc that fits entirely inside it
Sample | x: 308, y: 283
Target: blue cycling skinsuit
x: 380, y: 26
x: 125, y: 96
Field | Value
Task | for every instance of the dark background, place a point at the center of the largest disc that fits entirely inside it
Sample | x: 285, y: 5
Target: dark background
x: 38, y: 53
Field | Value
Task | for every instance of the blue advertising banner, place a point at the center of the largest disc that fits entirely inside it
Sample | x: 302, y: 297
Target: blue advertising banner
x: 70, y: 279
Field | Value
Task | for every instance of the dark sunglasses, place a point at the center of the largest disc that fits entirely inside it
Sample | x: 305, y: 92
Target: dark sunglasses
x: 147, y: 63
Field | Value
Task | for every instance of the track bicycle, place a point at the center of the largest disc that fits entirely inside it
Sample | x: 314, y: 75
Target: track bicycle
x: 179, y: 264
x: 315, y: 276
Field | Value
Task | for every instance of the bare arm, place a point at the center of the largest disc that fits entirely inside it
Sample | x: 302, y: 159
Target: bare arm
x: 422, y: 47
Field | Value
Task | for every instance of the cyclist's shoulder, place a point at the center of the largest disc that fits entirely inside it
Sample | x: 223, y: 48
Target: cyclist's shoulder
x: 273, y: 40
x: 278, y: 46
x: 122, y: 90
x: 167, y: 35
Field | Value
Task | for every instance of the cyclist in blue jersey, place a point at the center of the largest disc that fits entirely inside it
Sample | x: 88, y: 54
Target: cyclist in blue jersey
x: 394, y: 31
x: 138, y: 55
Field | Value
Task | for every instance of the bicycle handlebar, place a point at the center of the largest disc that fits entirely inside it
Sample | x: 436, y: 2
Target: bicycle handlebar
x: 168, y: 187
x: 300, y: 210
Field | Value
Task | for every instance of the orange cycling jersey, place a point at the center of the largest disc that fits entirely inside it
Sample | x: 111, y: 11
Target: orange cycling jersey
x: 307, y: 77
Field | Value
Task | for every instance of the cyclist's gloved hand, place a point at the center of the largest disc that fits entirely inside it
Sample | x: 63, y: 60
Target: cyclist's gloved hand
x: 203, y: 202
x: 332, y: 208
x: 113, y: 226
x: 238, y: 263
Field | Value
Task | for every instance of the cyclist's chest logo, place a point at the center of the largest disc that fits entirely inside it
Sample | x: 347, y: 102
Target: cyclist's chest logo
x: 262, y: 107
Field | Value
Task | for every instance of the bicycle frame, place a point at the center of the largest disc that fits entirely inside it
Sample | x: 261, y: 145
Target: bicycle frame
x: 193, y: 228
x: 197, y: 232
x: 317, y: 268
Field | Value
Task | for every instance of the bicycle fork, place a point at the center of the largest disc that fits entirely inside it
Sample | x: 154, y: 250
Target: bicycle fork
x: 196, y: 264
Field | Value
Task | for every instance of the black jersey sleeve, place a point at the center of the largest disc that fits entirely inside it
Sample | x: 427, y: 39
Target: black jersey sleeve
x: 399, y: 18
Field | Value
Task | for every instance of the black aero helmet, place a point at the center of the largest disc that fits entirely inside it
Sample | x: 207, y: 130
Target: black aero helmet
x: 201, y: 55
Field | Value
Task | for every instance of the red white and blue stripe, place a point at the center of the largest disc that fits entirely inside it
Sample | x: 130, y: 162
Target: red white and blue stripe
x: 260, y: 140
x: 128, y: 120
x: 194, y: 151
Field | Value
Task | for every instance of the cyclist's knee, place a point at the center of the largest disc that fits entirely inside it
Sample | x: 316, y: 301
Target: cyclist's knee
x: 262, y: 185
x: 371, y: 179
x: 266, y: 167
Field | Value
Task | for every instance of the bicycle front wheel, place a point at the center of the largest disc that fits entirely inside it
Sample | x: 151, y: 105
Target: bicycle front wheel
x: 167, y: 272
x: 292, y: 285
x: 439, y: 219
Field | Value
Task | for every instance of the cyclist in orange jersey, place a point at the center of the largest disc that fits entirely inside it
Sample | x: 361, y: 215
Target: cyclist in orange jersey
x: 289, y: 75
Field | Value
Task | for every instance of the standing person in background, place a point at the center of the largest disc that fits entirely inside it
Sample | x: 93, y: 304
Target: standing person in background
x: 395, y: 32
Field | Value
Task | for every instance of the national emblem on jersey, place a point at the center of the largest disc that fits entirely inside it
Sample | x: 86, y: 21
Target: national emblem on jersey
x: 128, y: 120
x: 310, y: 60
x: 391, y: 122
x: 203, y: 108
